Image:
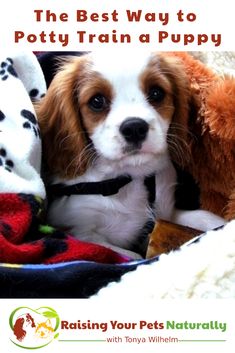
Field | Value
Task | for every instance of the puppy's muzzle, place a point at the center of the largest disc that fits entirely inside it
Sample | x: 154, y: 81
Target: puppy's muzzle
x: 134, y: 130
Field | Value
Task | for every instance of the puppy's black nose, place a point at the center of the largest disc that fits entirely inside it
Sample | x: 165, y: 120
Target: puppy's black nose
x: 134, y: 130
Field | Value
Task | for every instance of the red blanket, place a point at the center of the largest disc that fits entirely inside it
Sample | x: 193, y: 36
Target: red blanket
x: 23, y: 238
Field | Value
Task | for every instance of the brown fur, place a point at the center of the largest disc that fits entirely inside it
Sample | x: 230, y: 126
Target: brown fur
x: 177, y: 134
x: 211, y: 136
x: 60, y: 123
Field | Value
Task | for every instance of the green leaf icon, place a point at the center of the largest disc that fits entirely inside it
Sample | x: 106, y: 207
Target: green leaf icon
x: 49, y: 314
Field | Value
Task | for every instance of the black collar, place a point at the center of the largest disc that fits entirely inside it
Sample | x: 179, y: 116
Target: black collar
x: 106, y: 187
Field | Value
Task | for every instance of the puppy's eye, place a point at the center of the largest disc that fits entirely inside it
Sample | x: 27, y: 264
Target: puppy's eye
x: 98, y: 103
x: 156, y: 94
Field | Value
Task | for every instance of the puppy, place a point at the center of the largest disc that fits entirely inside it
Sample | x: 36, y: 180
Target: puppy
x: 108, y: 123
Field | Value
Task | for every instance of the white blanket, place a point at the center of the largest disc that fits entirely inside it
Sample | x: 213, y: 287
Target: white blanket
x: 21, y: 80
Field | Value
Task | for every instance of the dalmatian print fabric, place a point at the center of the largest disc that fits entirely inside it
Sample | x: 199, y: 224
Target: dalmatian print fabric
x: 21, y: 84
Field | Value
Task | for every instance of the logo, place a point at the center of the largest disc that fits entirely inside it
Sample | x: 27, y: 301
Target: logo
x: 33, y: 328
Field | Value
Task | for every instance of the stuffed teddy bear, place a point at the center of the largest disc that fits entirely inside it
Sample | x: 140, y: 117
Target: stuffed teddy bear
x: 210, y: 134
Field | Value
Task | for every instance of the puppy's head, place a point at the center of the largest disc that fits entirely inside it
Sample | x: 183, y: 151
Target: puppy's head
x: 126, y: 110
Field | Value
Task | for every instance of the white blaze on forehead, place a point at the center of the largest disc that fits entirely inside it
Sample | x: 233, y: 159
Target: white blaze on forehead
x: 123, y: 69
x: 119, y: 64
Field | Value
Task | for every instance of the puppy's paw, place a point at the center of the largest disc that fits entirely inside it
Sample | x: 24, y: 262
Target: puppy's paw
x: 198, y: 219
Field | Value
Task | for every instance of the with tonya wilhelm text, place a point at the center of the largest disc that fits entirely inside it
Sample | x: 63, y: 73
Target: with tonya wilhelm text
x: 157, y: 24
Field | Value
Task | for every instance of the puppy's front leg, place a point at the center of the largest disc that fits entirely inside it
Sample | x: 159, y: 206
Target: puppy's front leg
x: 165, y: 199
x: 198, y: 219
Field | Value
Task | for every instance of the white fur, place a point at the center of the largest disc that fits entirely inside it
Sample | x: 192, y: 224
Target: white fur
x: 114, y: 220
x: 199, y: 219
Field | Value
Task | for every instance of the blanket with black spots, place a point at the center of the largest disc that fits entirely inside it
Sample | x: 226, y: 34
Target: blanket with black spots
x: 25, y: 238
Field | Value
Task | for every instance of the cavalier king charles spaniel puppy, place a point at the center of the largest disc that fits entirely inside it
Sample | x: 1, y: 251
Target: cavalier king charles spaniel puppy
x: 109, y: 123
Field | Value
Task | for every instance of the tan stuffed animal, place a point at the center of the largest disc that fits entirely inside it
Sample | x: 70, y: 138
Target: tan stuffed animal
x: 210, y: 136
x: 207, y: 150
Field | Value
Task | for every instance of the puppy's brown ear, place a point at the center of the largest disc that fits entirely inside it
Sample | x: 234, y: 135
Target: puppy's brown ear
x: 63, y: 138
x: 178, y: 130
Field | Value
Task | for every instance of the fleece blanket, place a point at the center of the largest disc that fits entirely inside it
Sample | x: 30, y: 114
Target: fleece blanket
x: 36, y: 259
